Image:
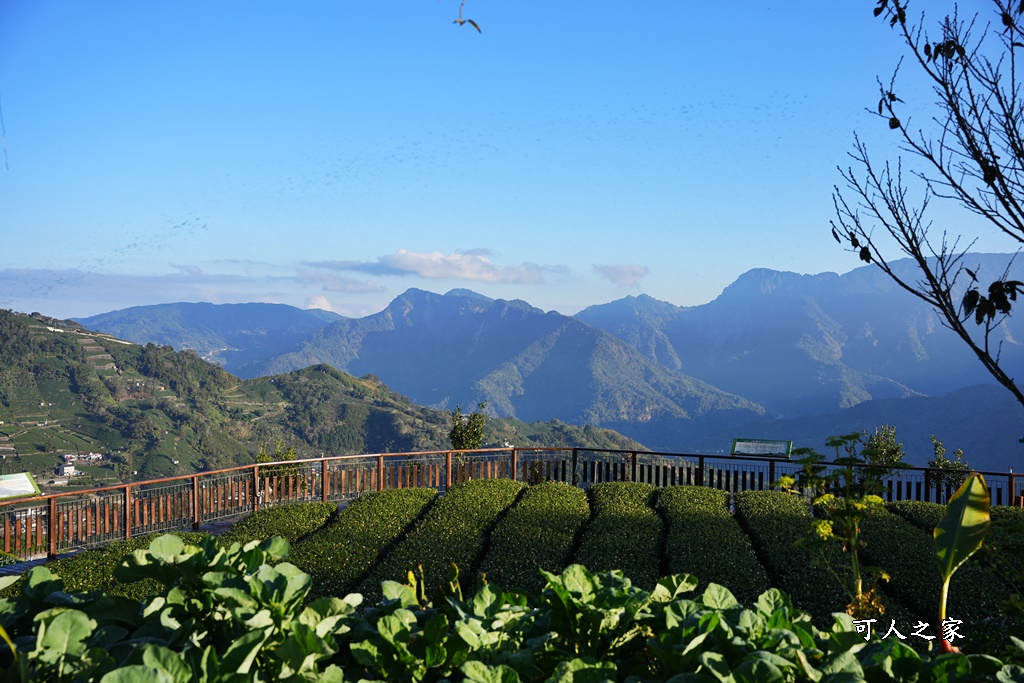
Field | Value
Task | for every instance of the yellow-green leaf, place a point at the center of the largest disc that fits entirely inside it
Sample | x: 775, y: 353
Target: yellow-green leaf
x: 962, y: 529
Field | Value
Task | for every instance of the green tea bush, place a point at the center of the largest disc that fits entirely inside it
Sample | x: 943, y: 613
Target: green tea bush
x: 291, y: 522
x: 924, y: 516
x: 704, y: 540
x: 537, y: 533
x: 453, y: 530
x: 1002, y: 543
x: 341, y: 551
x: 624, y: 533
x: 778, y: 526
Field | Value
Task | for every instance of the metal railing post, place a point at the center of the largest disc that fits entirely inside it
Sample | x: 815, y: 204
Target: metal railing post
x: 380, y: 472
x: 575, y: 476
x: 447, y: 470
x: 632, y: 458
x: 325, y: 480
x: 256, y: 493
x: 196, y: 516
x: 771, y: 473
x: 515, y: 464
x: 51, y: 523
x: 700, y: 470
x: 128, y: 517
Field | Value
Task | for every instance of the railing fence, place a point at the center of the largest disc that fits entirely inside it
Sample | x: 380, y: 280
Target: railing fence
x: 54, y: 523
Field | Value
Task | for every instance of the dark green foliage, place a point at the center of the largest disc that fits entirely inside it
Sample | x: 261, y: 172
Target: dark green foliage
x: 467, y: 431
x: 223, y: 615
x: 537, y: 533
x: 881, y: 448
x: 343, y: 549
x: 703, y: 539
x: 624, y: 533
x: 454, y: 530
x: 778, y: 526
x: 952, y: 473
x: 238, y: 616
x: 291, y: 522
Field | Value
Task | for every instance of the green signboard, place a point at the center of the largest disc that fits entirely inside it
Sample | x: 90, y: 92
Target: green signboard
x: 763, y: 447
x: 20, y: 485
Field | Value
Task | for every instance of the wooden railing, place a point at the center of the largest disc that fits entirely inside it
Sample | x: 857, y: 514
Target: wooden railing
x: 54, y: 523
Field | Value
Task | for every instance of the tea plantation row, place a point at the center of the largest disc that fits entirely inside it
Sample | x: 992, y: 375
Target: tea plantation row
x: 508, y: 532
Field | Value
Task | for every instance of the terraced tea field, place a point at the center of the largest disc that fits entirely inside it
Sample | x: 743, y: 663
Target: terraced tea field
x: 508, y: 532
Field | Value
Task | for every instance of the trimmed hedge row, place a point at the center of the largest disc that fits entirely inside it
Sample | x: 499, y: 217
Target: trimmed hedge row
x: 778, y: 524
x: 919, y: 513
x: 341, y: 551
x: 453, y: 530
x: 291, y: 522
x: 625, y: 532
x: 704, y: 540
x: 1003, y: 533
x: 537, y: 533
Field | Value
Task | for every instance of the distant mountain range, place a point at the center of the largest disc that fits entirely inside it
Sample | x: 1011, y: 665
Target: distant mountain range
x: 162, y: 412
x: 776, y: 353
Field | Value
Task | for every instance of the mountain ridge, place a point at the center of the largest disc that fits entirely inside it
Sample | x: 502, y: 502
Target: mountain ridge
x: 774, y: 345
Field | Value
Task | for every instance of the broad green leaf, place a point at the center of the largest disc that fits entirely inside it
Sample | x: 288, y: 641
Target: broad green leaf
x: 478, y: 672
x: 577, y: 579
x: 1011, y: 673
x: 583, y: 670
x: 243, y: 652
x: 715, y: 663
x: 276, y: 549
x: 487, y: 602
x: 844, y: 662
x: 40, y: 583
x: 368, y: 654
x: 65, y: 635
x: 165, y: 660
x: 672, y: 587
x: 962, y: 529
x: 166, y: 548
x: 302, y: 648
x: 393, y: 629
x: 332, y: 674
x: 137, y: 673
x: 468, y: 633
x: 392, y: 590
x: 771, y: 600
x: 718, y: 597
x: 757, y: 671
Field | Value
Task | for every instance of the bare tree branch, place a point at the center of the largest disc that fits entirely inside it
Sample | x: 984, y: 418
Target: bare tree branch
x: 971, y: 154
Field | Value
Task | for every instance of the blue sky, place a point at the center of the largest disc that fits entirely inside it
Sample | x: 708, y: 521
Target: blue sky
x: 334, y: 154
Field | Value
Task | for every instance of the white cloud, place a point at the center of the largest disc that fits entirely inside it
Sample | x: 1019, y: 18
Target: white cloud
x: 474, y: 265
x: 623, y: 274
x: 319, y: 301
